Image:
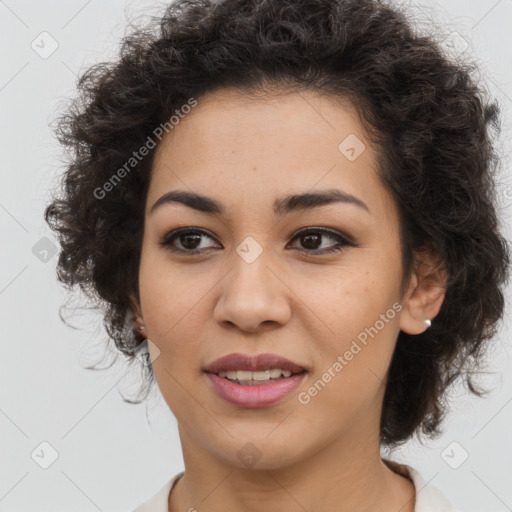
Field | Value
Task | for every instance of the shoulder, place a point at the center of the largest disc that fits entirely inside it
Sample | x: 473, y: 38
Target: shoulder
x: 159, y: 502
x: 428, y: 497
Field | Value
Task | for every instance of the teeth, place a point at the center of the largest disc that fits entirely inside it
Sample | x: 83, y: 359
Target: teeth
x: 243, y: 375
x: 260, y: 375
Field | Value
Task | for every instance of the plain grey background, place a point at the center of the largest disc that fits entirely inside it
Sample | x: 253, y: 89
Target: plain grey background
x: 110, y: 455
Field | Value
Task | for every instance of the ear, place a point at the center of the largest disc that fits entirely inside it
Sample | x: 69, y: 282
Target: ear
x: 136, y: 311
x: 425, y: 294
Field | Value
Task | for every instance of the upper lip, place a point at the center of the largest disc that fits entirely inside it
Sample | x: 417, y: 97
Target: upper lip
x: 256, y: 363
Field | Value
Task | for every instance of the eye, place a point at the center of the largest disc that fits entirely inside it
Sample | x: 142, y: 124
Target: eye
x: 189, y: 239
x: 312, y: 238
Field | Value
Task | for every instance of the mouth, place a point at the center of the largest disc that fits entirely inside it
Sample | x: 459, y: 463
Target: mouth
x: 254, y: 381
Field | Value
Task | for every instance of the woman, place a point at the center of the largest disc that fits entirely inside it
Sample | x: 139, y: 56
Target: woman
x: 290, y: 205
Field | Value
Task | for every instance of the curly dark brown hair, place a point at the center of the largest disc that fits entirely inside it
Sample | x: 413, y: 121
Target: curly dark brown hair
x: 424, y: 111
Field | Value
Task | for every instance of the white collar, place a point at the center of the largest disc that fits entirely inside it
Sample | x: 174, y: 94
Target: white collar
x: 428, y: 497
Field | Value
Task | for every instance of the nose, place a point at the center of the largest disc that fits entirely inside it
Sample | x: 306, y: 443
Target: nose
x: 254, y: 296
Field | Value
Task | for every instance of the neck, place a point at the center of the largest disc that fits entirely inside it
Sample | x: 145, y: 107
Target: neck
x: 346, y: 474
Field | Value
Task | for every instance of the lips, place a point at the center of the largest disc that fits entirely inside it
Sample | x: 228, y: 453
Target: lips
x: 255, y: 393
x: 244, y: 362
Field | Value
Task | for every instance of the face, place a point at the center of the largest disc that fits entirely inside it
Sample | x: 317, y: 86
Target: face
x: 318, y: 285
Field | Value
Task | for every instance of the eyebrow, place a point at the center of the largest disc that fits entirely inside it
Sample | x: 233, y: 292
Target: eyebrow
x: 281, y: 207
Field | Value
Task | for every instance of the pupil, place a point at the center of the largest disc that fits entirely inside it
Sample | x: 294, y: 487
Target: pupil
x: 189, y: 237
x: 314, y: 237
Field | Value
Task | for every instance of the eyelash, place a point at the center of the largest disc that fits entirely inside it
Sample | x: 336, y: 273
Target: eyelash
x: 343, y: 242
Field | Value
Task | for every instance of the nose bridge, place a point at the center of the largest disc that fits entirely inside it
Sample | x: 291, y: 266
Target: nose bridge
x: 250, y: 267
x: 250, y: 275
x: 251, y: 293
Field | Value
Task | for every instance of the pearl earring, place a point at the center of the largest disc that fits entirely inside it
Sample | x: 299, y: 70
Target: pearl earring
x: 428, y: 323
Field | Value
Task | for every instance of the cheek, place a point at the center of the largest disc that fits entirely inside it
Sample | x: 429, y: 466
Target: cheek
x: 351, y: 380
x: 167, y: 292
x: 171, y: 306
x: 357, y: 317
x: 348, y: 298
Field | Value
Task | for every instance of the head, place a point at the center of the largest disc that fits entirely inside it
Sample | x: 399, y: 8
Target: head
x: 262, y: 103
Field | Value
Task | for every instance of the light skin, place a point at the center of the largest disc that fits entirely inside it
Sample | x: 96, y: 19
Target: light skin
x: 292, y: 301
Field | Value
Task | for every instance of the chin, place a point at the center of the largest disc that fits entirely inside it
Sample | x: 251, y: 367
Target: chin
x: 259, y: 452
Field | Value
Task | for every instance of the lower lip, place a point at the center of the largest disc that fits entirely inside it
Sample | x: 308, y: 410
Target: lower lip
x: 259, y: 395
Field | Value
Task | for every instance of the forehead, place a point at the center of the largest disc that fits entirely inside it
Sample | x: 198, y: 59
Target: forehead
x: 252, y: 149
